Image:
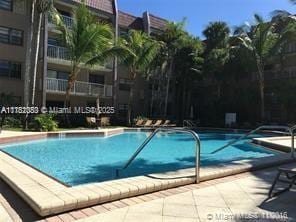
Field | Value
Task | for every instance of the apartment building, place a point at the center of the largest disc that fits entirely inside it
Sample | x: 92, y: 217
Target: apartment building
x: 110, y: 81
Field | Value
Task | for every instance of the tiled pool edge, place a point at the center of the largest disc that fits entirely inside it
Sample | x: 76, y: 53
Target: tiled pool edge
x: 47, y: 197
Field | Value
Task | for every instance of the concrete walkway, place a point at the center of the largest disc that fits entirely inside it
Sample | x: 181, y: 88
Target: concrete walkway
x: 234, y: 198
x: 238, y: 200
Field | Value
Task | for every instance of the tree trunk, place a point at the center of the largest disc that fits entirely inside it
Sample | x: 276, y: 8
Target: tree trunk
x: 260, y: 67
x: 152, y: 98
x: 219, y: 89
x: 262, y: 100
x: 168, y: 86
x: 36, y: 55
x: 71, y: 82
x: 27, y: 75
x: 184, y: 113
x: 130, y: 100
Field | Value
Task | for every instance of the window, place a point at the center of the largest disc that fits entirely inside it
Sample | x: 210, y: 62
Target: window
x: 53, y: 74
x: 123, y: 32
x: 51, y: 103
x: 125, y: 84
x: 64, y: 13
x: 16, y: 37
x: 291, y: 47
x: 122, y: 109
x: 10, y: 69
x: 11, y: 36
x: 53, y: 41
x: 6, y: 5
x: 4, y: 35
x: 98, y: 79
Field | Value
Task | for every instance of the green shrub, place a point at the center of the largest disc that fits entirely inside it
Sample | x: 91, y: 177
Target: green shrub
x: 45, y: 122
x: 12, y: 122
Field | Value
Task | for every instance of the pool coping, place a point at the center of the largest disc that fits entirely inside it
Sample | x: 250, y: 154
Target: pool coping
x: 47, y: 196
x: 275, y: 142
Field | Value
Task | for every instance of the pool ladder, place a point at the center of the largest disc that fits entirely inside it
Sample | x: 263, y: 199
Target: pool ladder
x: 264, y: 127
x: 150, y: 137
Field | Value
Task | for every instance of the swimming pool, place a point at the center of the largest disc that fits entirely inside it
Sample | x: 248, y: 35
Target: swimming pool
x: 83, y: 160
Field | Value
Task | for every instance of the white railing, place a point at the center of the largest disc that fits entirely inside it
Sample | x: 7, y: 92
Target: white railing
x: 62, y: 53
x: 79, y: 88
x: 57, y: 52
x: 68, y: 21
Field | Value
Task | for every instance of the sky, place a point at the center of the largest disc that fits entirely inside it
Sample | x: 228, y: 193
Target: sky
x: 200, y: 12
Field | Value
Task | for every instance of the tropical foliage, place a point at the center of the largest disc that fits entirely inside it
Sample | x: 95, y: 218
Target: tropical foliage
x: 45, y: 122
x: 181, y: 68
x: 141, y: 53
x: 217, y: 52
x: 264, y: 40
x: 88, y: 41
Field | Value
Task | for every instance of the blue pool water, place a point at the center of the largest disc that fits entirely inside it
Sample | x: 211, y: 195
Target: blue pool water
x: 77, y: 161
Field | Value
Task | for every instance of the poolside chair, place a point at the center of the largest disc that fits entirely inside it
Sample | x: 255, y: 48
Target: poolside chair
x: 157, y: 123
x: 105, y: 121
x: 91, y: 121
x: 290, y: 179
x: 139, y: 123
x: 168, y: 123
x: 148, y: 123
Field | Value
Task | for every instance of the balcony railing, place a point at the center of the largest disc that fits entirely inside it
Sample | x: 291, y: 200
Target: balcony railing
x: 57, y: 52
x: 68, y: 21
x: 79, y: 88
x: 62, y: 53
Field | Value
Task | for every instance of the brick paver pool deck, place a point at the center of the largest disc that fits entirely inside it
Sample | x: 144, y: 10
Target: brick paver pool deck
x: 224, y: 199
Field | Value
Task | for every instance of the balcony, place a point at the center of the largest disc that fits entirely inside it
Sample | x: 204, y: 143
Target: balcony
x: 79, y: 88
x: 57, y: 52
x: 68, y: 21
x: 60, y: 55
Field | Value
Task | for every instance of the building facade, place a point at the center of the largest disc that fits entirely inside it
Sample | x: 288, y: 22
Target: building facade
x: 110, y: 81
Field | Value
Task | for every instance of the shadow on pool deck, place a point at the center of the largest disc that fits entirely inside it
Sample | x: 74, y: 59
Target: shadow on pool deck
x: 18, y: 209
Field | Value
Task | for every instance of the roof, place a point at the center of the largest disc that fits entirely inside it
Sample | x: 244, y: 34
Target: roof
x: 103, y: 5
x: 157, y: 22
x: 130, y: 21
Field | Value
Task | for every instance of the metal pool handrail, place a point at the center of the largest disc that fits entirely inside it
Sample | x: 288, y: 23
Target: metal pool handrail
x: 291, y: 131
x: 293, y: 128
x: 149, y: 138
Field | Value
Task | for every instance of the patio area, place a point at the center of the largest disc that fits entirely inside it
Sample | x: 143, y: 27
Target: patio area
x: 239, y: 197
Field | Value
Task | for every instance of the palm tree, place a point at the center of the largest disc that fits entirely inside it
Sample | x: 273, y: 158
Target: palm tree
x: 88, y: 41
x: 42, y: 7
x: 27, y: 75
x: 142, y: 51
x: 188, y: 68
x: 217, y: 51
x: 173, y: 34
x: 285, y: 25
x: 261, y: 40
x: 38, y: 10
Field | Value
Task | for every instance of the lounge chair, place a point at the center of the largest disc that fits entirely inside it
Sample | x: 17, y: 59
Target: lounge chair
x: 105, y: 121
x: 290, y: 179
x: 148, y: 123
x: 139, y: 123
x: 157, y: 123
x: 91, y: 121
x: 168, y: 123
